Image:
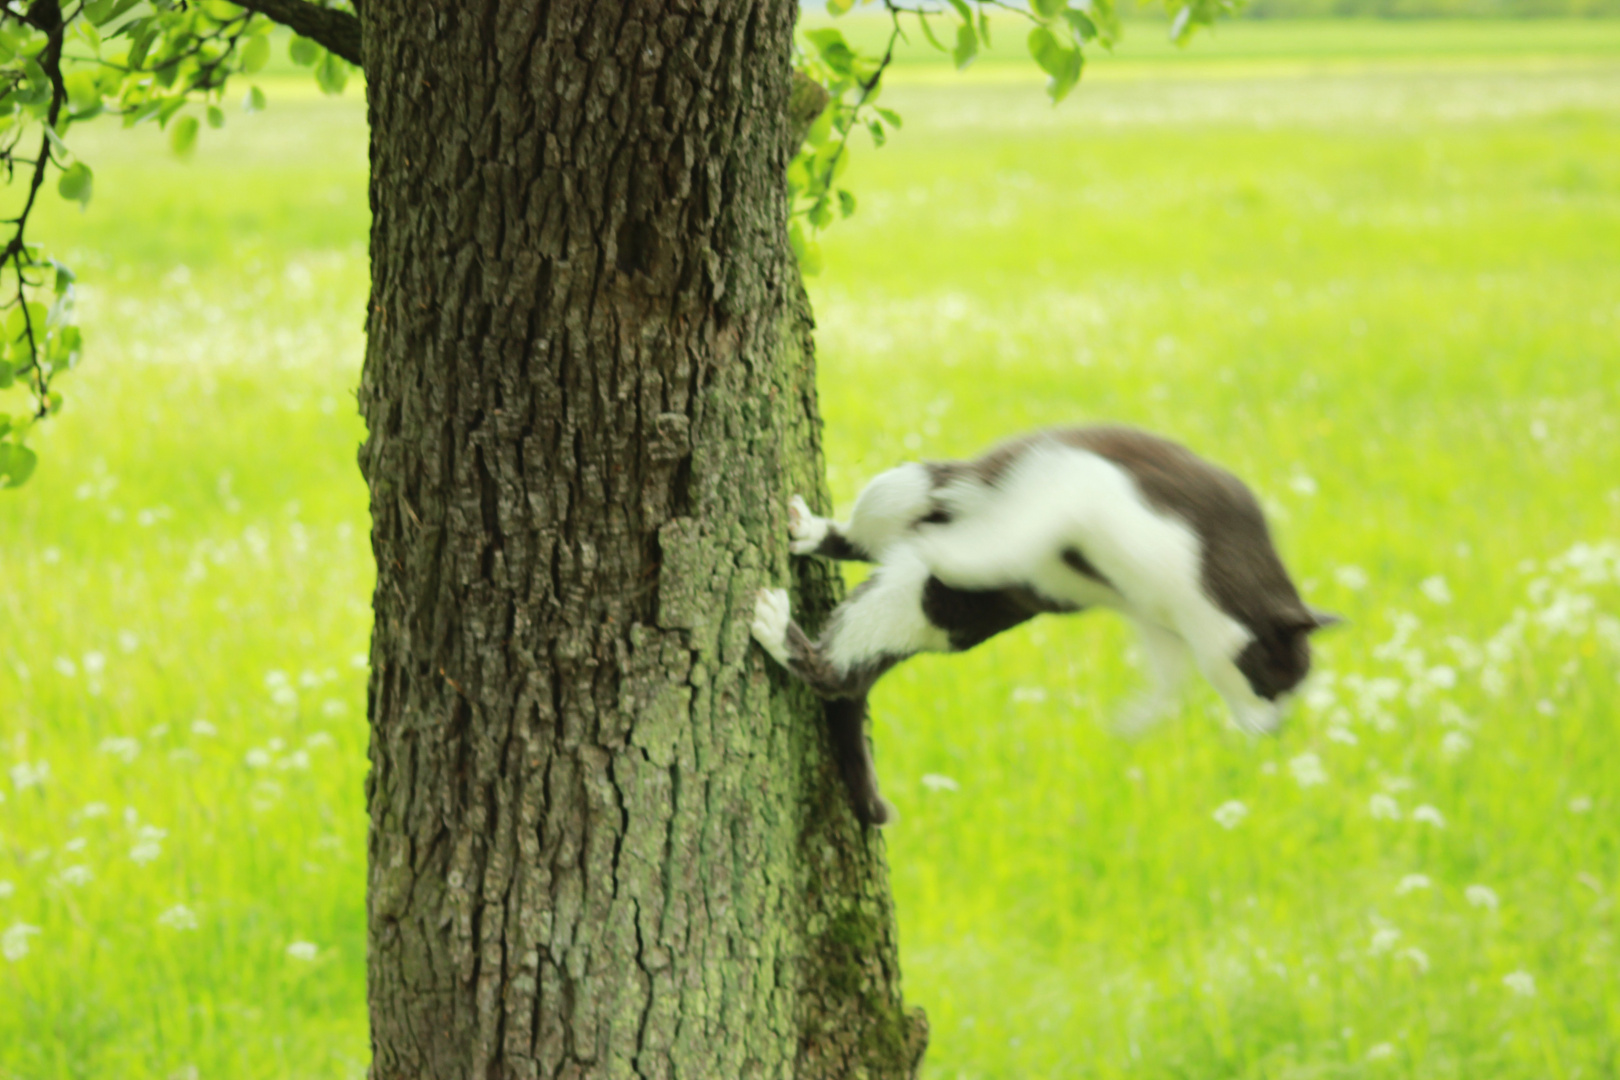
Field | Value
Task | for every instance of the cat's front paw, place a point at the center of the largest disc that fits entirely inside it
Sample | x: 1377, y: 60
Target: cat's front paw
x: 805, y: 530
x: 1262, y: 719
x: 773, y: 613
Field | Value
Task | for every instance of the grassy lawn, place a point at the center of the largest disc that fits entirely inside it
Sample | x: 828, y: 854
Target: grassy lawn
x: 1370, y: 267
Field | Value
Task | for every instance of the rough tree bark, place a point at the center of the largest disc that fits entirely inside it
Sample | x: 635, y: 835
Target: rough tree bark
x: 606, y: 836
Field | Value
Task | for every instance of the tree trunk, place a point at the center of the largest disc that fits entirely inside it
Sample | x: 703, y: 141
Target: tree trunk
x: 607, y: 839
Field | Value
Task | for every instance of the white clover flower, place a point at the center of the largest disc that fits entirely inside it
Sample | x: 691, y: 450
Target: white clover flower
x: 1380, y: 1052
x: 1302, y: 485
x: 1353, y: 578
x: 1419, y: 958
x: 1429, y: 816
x: 14, y: 942
x: 178, y: 917
x: 149, y: 844
x: 1481, y: 896
x: 6, y: 889
x: 359, y: 660
x: 332, y: 707
x: 1342, y: 735
x: 76, y: 844
x: 1384, y: 940
x: 937, y: 782
x: 124, y: 748
x: 1384, y: 807
x: 25, y: 775
x: 1442, y: 676
x: 1580, y: 804
x: 285, y: 696
x: 1455, y: 744
x: 1436, y: 590
x: 94, y: 663
x: 1230, y: 814
x: 1413, y: 883
x: 128, y: 641
x: 1520, y: 982
x: 74, y: 876
x: 94, y: 810
x: 204, y: 729
x: 303, y: 950
x: 298, y: 759
x: 1307, y: 770
x: 1028, y: 695
x: 257, y: 758
x: 65, y: 667
x: 275, y: 679
x: 319, y: 741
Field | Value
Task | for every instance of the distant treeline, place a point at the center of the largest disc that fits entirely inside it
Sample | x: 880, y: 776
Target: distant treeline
x: 1431, y: 9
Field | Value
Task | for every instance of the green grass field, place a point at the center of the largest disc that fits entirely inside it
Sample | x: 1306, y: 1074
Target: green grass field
x: 1372, y: 268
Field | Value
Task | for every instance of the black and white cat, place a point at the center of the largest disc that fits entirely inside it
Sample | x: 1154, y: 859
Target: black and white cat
x: 1057, y: 521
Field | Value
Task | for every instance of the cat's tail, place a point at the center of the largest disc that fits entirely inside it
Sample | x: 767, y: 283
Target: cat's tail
x: 846, y: 723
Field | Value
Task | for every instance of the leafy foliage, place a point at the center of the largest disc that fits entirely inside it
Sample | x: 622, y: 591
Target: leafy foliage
x: 145, y: 61
x: 1061, y: 31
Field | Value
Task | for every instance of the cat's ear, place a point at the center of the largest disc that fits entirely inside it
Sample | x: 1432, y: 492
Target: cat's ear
x: 1321, y: 620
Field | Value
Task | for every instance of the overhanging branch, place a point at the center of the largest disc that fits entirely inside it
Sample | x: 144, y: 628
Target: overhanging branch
x: 338, y: 31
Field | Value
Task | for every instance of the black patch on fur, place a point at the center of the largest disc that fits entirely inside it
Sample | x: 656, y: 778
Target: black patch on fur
x: 1076, y: 560
x: 808, y: 662
x: 835, y: 545
x: 846, y: 724
x: 937, y: 516
x: 970, y: 617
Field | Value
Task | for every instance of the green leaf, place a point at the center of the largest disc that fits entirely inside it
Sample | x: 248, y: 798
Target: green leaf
x: 56, y: 142
x: 216, y: 116
x: 928, y: 32
x: 846, y: 202
x: 879, y: 136
x: 1064, y: 79
x: 1081, y: 24
x: 967, y: 46
x: 254, y: 101
x: 64, y: 277
x: 1181, y: 26
x: 141, y: 42
x: 303, y: 51
x: 83, y: 93
x: 890, y: 117
x: 256, y: 53
x: 331, y: 74
x: 962, y: 10
x: 183, y: 136
x: 984, y: 28
x: 16, y: 464
x: 835, y: 51
x: 5, y: 423
x: 836, y: 8
x: 1049, y: 9
x: 76, y: 183
x: 1044, y: 47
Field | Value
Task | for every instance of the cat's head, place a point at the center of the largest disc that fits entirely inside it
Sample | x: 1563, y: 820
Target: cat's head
x: 1279, y: 656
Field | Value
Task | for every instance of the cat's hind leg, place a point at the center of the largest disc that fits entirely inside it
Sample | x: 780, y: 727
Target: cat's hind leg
x: 846, y: 724
x: 890, y: 504
x: 844, y: 691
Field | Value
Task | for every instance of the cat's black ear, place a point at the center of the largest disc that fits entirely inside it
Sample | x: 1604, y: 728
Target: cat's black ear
x: 1321, y: 620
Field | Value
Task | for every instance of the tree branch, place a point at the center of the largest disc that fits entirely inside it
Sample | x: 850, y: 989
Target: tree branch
x: 337, y: 30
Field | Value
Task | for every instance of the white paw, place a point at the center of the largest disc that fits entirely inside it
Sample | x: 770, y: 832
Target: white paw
x: 806, y: 529
x: 1262, y: 719
x: 1141, y: 716
x: 772, y: 614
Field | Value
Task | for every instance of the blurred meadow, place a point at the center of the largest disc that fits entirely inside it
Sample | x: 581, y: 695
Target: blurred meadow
x: 1372, y: 267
